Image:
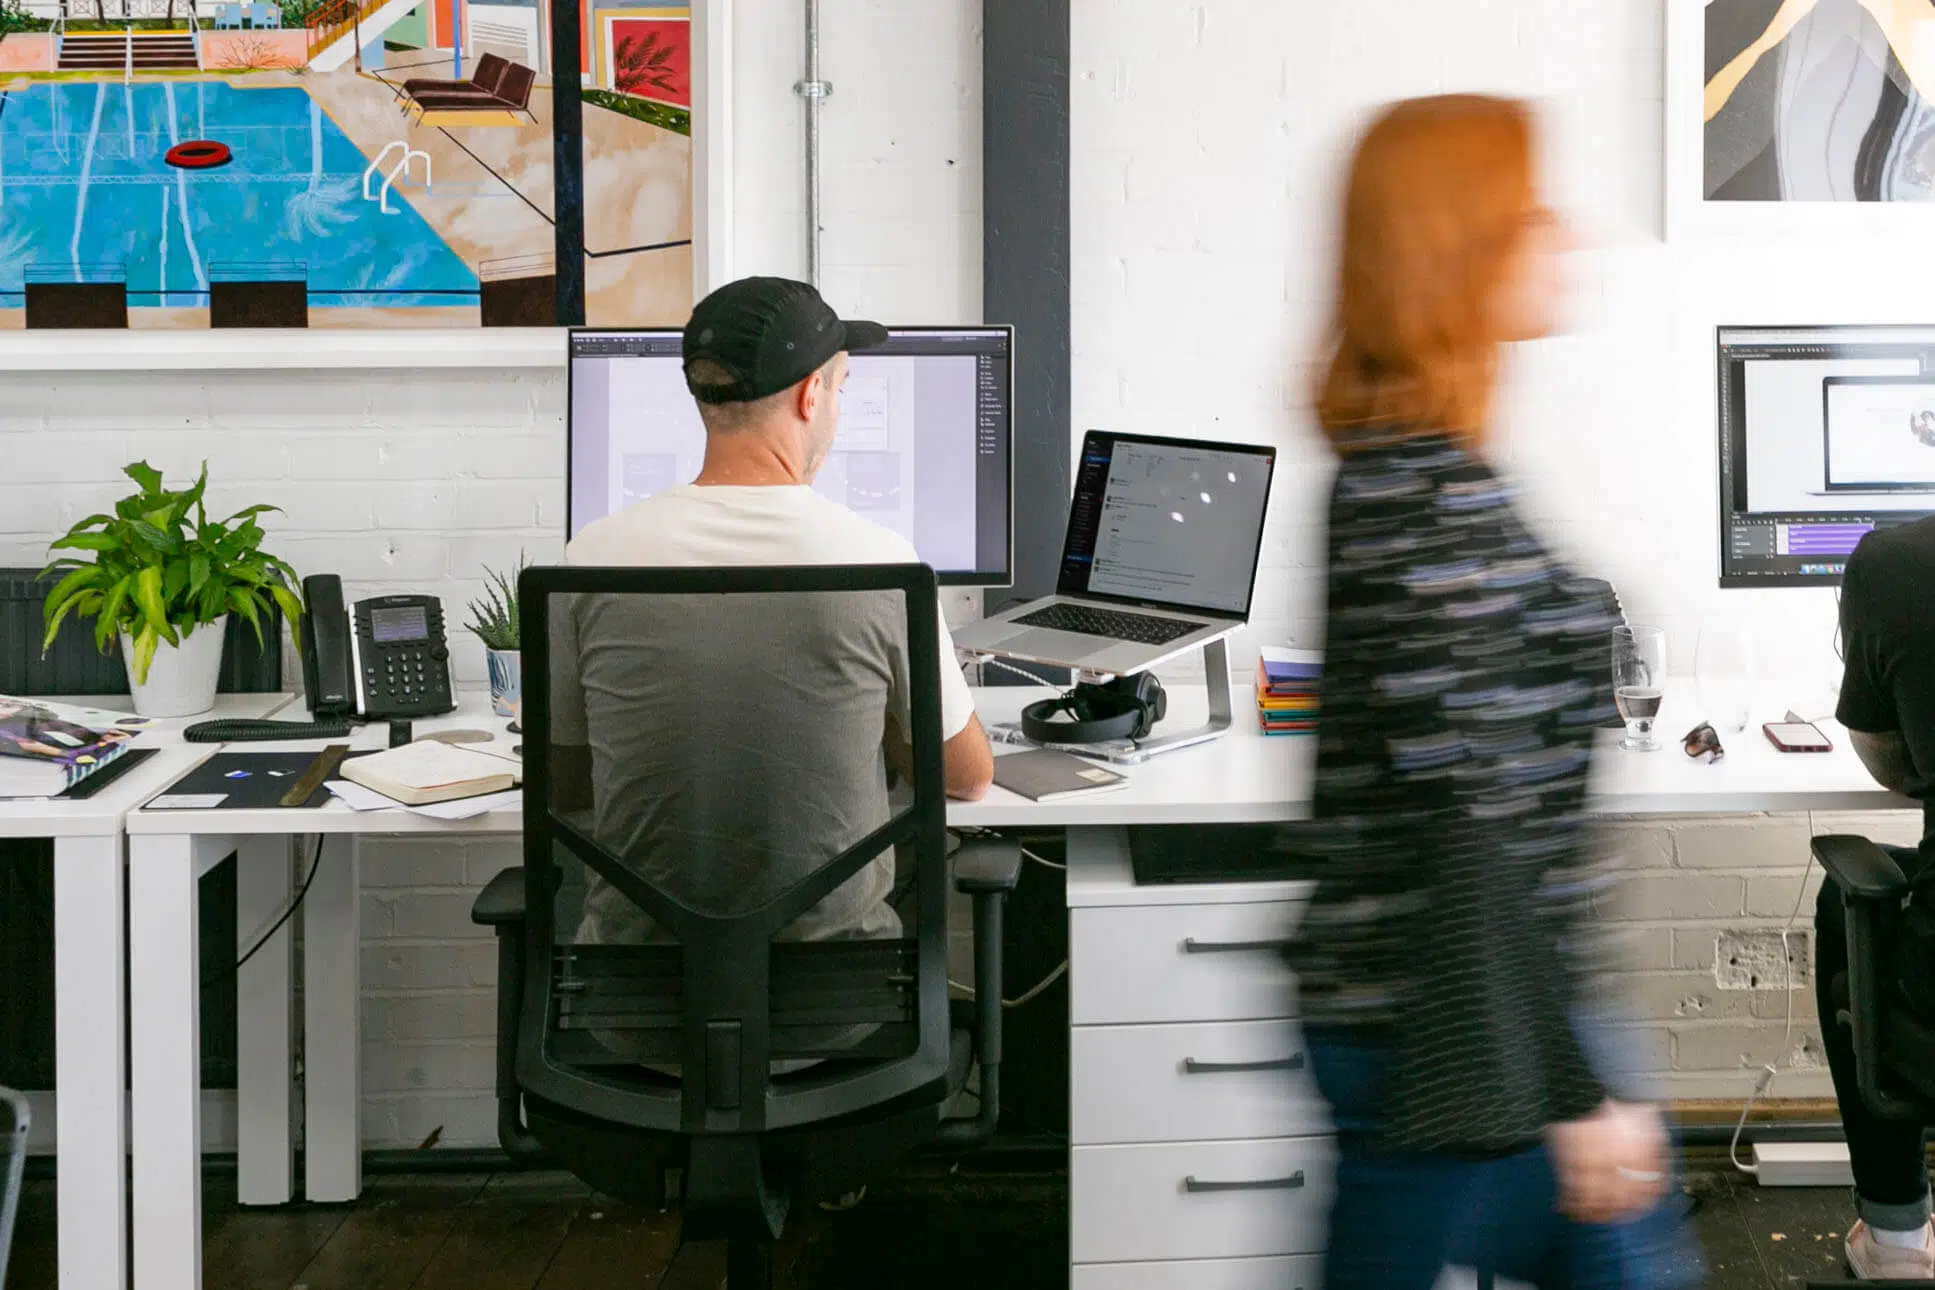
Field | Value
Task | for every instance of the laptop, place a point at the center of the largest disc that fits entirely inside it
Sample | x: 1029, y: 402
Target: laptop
x: 1878, y: 435
x: 1160, y: 558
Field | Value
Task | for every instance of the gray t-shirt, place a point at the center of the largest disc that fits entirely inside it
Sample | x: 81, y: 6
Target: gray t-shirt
x: 736, y: 747
x: 805, y: 775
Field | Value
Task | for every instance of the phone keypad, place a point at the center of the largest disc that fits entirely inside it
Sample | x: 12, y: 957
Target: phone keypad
x: 405, y: 678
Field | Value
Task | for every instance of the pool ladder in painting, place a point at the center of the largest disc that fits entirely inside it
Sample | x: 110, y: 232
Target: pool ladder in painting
x: 400, y: 170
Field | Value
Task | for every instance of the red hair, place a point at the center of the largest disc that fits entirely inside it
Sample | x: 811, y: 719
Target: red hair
x: 1439, y: 193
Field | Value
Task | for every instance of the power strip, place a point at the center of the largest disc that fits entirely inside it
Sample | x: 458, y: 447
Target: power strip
x: 1802, y: 1164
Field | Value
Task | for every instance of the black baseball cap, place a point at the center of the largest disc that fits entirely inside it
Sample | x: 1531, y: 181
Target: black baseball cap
x: 768, y: 333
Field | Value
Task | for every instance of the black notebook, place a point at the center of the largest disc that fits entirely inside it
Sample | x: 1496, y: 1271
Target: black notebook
x: 1044, y: 775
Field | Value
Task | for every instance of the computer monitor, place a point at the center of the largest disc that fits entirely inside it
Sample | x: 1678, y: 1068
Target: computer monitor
x: 1825, y: 434
x: 924, y: 444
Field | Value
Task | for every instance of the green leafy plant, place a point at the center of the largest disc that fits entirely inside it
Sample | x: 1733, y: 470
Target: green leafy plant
x: 161, y: 567
x: 494, y: 618
x: 14, y: 17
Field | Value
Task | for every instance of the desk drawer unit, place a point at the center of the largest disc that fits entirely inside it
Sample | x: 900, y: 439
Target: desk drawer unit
x: 1199, y: 1200
x: 1301, y: 1273
x: 1192, y: 1083
x: 1170, y: 963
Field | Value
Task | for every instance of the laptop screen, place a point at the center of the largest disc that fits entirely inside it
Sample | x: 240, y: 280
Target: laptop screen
x: 1167, y: 523
x: 1880, y: 434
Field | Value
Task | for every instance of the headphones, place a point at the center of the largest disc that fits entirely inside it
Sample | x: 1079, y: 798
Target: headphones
x: 1125, y: 708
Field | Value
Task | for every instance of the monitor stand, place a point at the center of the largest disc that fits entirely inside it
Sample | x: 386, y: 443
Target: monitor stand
x: 1131, y: 752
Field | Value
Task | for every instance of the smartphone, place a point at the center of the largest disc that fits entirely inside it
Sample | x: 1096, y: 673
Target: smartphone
x: 1796, y: 736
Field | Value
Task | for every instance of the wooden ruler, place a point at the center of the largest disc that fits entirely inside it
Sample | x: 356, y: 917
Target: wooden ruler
x: 318, y: 771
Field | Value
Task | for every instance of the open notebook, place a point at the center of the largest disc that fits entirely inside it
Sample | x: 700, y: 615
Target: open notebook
x: 417, y: 774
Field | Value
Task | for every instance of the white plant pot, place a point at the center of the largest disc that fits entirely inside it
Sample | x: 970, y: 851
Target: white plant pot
x: 181, y: 678
x: 506, y: 681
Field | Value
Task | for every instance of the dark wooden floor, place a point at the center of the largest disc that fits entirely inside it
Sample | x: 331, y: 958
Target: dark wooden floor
x: 546, y: 1231
x: 927, y: 1226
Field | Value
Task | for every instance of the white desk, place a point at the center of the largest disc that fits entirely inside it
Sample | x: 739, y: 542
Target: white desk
x: 1185, y: 1057
x: 169, y: 851
x: 90, y: 1014
x: 1122, y: 944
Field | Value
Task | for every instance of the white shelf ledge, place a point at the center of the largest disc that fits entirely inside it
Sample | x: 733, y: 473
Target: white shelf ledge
x: 292, y: 349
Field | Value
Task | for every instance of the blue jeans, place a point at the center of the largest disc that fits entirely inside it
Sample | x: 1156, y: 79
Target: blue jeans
x: 1400, y: 1218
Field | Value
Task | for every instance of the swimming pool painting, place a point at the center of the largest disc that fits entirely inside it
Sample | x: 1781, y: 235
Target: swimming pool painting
x: 85, y: 195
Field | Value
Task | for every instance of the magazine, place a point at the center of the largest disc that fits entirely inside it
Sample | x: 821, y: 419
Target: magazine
x: 47, y: 748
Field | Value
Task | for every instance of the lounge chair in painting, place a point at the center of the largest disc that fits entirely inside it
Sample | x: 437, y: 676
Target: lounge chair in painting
x: 228, y: 17
x: 265, y: 16
x: 511, y: 99
x: 490, y: 71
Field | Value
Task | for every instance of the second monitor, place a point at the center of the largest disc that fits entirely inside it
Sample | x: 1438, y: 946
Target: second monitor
x: 923, y: 447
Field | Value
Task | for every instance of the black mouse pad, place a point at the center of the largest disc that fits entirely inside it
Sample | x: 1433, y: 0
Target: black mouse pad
x: 241, y: 781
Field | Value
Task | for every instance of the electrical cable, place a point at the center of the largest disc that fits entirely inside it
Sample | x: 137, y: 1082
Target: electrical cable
x: 973, y: 832
x: 1027, y: 996
x: 1771, y: 1071
x: 1046, y: 864
x: 314, y: 865
x: 1022, y: 672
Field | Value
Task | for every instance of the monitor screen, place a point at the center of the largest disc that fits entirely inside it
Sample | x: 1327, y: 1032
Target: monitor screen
x: 1169, y: 523
x: 1825, y: 434
x: 923, y: 446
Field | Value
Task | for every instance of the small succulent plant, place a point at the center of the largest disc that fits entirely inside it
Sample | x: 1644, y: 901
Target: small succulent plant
x: 494, y: 618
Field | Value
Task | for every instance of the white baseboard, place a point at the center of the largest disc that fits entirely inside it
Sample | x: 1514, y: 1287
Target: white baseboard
x: 1803, y: 1164
x: 218, y: 1121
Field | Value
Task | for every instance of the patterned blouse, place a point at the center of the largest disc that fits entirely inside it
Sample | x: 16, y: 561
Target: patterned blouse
x: 1465, y: 675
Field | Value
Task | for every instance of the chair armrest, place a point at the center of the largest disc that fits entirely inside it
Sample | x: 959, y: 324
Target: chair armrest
x: 1862, y: 870
x: 501, y: 902
x: 987, y: 869
x: 987, y: 864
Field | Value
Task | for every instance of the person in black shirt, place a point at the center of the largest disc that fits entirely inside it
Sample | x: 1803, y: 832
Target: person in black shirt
x: 1888, y: 705
x: 1440, y: 964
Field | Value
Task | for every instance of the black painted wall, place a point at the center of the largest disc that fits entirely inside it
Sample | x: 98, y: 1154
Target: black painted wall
x: 1024, y: 133
x: 1025, y: 255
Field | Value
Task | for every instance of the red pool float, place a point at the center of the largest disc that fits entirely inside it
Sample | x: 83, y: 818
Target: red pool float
x: 198, y: 154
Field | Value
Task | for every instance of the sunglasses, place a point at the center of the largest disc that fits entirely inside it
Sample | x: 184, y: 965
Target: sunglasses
x: 1704, y: 741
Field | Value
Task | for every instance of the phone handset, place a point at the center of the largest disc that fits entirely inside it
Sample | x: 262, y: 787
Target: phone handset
x: 328, y: 658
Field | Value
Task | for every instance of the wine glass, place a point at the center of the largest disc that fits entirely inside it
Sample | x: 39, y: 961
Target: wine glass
x: 1725, y: 667
x: 1639, y: 680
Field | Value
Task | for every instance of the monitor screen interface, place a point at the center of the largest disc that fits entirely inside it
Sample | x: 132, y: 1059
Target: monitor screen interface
x: 1826, y: 433
x: 923, y: 445
x: 1167, y: 522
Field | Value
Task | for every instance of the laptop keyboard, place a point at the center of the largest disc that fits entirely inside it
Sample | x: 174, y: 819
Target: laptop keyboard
x: 1090, y: 621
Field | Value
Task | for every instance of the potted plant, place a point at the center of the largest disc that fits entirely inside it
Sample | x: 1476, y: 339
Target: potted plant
x: 494, y: 620
x: 163, y: 580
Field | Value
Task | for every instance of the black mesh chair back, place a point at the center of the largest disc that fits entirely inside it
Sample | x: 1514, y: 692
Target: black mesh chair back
x: 1883, y: 996
x: 703, y: 769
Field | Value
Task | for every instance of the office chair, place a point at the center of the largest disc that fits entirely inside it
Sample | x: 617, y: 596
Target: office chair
x: 1894, y: 1048
x: 13, y: 1159
x: 1894, y: 1045
x: 767, y: 1073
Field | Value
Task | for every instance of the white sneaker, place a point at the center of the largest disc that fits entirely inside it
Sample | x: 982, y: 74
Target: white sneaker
x: 1873, y: 1261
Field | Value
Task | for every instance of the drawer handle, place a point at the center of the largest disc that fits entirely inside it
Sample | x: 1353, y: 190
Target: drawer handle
x: 1291, y: 1183
x: 1193, y: 946
x: 1191, y: 1066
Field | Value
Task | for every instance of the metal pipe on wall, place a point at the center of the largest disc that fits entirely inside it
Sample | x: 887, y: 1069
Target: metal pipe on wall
x: 814, y: 91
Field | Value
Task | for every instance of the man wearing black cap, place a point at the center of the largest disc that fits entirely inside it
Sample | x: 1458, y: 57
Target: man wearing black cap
x: 765, y: 359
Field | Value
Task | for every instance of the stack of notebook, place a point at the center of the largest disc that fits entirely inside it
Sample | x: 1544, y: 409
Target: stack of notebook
x: 1286, y: 690
x: 48, y: 748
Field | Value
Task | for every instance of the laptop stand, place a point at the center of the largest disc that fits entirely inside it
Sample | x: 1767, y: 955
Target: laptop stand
x: 1131, y: 752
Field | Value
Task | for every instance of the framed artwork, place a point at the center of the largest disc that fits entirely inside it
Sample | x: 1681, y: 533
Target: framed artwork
x: 1788, y: 116
x: 375, y: 164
